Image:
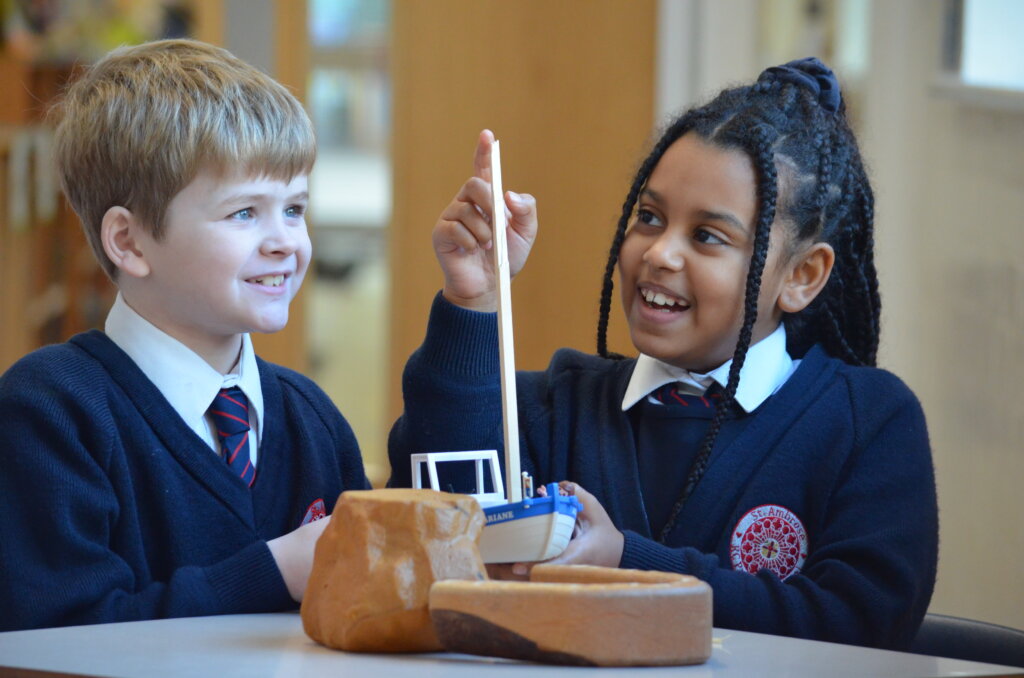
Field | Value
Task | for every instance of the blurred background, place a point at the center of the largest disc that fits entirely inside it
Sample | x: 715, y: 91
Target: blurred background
x: 575, y: 90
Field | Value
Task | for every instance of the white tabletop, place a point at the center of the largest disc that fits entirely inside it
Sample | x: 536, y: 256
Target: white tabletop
x: 274, y: 645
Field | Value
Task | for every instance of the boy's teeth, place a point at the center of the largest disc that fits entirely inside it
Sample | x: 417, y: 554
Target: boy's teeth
x: 270, y: 280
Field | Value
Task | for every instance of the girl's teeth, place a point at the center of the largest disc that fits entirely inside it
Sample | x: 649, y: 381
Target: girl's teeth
x: 657, y: 298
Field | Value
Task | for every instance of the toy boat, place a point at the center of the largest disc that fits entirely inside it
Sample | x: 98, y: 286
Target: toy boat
x: 535, y: 528
x: 520, y: 528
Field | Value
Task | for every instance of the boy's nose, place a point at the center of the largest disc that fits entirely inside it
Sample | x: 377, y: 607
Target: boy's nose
x: 281, y: 238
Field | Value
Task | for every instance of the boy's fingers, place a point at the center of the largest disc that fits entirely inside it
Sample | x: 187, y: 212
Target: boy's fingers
x: 482, y: 158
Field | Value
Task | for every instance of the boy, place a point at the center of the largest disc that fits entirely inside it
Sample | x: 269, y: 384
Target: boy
x: 161, y: 469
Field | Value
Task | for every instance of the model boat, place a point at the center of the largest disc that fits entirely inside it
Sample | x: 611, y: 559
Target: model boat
x: 531, y: 529
x: 520, y: 527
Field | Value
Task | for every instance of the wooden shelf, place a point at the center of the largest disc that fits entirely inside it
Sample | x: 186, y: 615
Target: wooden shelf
x: 53, y: 286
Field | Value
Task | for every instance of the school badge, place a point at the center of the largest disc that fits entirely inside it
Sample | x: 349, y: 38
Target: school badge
x: 316, y: 511
x: 769, y: 537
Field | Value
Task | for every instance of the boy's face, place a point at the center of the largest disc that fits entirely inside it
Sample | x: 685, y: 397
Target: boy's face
x: 691, y: 244
x: 234, y: 254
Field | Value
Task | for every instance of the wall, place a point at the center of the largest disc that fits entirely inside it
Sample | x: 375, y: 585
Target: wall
x: 567, y: 86
x: 949, y: 178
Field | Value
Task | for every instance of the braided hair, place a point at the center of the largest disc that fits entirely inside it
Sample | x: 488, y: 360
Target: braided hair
x: 792, y: 124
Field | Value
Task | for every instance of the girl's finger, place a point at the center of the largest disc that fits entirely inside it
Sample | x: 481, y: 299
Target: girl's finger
x: 454, y: 235
x: 482, y: 157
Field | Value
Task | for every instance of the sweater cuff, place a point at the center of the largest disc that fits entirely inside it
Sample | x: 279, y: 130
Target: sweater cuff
x: 461, y: 341
x: 640, y: 553
x: 250, y: 581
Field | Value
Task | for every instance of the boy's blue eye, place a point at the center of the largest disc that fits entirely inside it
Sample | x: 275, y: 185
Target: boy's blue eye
x: 243, y: 214
x: 295, y: 211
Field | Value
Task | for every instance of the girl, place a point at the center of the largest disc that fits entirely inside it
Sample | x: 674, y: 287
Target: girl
x: 752, y: 443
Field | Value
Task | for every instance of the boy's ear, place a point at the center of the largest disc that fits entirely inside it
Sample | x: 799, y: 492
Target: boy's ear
x: 119, y: 233
x: 808, y: 275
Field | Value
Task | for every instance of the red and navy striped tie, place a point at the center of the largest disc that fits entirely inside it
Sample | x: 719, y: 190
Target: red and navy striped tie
x: 700, y: 406
x: 230, y: 412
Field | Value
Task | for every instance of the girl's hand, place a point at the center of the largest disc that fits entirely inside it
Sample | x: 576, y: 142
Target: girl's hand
x: 595, y: 539
x: 463, y: 238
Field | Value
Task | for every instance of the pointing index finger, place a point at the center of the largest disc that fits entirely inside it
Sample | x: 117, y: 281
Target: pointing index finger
x: 482, y: 158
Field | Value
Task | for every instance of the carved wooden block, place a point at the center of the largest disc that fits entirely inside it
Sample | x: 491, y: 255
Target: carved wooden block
x: 376, y: 561
x: 578, y: 614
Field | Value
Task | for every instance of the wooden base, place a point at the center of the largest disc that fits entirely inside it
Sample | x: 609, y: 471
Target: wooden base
x: 578, y: 614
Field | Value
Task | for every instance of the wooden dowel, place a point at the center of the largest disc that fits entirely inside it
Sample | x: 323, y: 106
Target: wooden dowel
x: 506, y: 348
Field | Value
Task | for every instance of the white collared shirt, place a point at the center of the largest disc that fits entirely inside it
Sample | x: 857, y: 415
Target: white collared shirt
x: 765, y: 370
x: 187, y: 381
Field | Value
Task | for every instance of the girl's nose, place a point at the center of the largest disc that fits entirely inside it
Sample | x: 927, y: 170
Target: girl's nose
x: 666, y: 252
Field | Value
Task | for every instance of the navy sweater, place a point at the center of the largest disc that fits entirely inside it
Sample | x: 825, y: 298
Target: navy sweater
x: 836, y: 467
x: 113, y: 509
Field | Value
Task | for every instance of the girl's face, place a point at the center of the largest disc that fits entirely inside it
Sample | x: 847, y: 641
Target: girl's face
x: 683, y: 264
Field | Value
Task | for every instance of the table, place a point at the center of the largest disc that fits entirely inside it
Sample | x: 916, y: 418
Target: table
x: 274, y: 645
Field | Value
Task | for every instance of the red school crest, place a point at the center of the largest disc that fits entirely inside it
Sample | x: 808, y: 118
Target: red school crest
x: 769, y: 537
x: 316, y: 511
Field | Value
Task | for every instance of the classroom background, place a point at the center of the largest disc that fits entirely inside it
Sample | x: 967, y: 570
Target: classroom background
x: 574, y: 90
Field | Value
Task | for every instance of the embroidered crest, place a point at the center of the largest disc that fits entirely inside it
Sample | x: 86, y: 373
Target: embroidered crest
x: 316, y: 511
x: 769, y: 537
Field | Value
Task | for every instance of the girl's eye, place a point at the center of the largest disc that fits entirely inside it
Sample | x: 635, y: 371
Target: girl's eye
x: 707, y: 237
x: 646, y: 216
x: 243, y: 214
x: 295, y: 211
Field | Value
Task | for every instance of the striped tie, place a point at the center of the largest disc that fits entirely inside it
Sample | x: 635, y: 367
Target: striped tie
x: 699, y: 406
x: 230, y: 412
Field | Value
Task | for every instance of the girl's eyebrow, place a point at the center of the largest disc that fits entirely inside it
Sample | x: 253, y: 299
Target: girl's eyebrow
x: 722, y: 216
x: 708, y: 215
x: 653, y: 195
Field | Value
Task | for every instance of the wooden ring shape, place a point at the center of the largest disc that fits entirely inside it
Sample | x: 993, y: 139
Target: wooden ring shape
x: 578, y: 614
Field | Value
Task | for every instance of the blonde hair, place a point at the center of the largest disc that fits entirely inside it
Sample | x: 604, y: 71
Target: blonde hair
x: 141, y: 123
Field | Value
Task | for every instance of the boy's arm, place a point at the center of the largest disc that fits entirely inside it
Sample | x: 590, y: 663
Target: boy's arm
x: 69, y: 553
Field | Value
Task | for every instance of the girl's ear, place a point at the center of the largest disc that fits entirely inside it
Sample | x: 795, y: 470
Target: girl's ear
x: 119, y: 233
x: 808, y: 275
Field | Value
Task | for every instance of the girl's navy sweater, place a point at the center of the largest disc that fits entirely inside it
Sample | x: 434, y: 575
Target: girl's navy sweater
x: 842, y: 449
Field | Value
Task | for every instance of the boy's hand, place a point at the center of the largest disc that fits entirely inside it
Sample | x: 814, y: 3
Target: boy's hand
x: 293, y: 553
x: 463, y: 240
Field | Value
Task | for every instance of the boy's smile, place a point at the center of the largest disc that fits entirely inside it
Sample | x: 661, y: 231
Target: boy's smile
x: 234, y: 254
x: 684, y: 261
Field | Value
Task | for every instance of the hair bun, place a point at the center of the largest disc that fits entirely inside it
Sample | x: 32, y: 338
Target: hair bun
x: 813, y: 75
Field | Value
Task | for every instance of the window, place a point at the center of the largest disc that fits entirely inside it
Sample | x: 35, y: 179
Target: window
x: 983, y: 56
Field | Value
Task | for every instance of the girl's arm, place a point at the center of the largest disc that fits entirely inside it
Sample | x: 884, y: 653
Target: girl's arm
x: 871, y: 568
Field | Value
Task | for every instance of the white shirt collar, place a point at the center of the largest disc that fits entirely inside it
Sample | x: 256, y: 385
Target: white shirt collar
x: 187, y: 381
x: 765, y: 370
